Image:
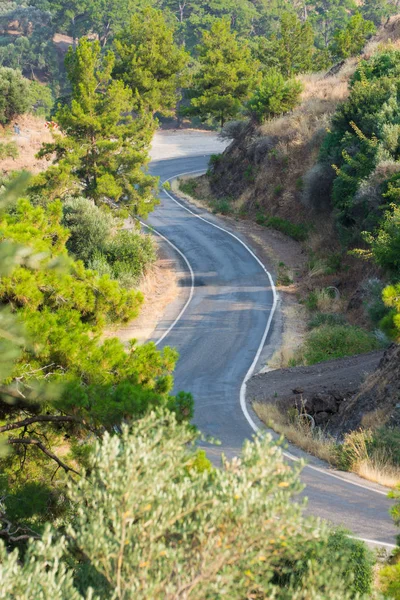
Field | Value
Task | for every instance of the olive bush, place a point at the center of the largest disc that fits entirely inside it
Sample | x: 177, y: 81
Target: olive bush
x: 149, y: 524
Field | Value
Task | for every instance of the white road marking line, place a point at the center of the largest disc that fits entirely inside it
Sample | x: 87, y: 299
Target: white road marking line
x: 178, y: 318
x: 375, y: 542
x: 254, y: 363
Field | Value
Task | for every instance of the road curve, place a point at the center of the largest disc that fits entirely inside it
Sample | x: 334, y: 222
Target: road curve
x: 218, y: 337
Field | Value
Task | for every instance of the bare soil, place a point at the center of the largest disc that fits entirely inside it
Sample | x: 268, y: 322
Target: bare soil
x: 33, y: 135
x: 323, y: 390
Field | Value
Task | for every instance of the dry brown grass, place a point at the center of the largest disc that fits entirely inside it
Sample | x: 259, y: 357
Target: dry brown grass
x: 375, y: 419
x: 376, y: 468
x: 33, y: 134
x: 378, y: 471
x: 298, y: 433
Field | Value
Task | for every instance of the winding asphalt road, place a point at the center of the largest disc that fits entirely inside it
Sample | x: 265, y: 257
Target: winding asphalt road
x: 218, y: 338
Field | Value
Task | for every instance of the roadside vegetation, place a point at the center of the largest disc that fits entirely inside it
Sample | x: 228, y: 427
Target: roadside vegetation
x: 371, y: 453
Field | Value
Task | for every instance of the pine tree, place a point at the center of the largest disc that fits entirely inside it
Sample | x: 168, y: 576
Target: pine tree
x: 103, y: 148
x: 329, y: 15
x: 226, y: 76
x: 350, y: 40
x: 150, y: 63
x: 293, y: 46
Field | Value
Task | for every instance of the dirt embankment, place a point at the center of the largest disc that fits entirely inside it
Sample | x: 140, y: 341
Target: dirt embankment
x: 325, y: 391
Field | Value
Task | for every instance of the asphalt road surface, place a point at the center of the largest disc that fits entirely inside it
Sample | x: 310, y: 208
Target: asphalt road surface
x: 219, y: 336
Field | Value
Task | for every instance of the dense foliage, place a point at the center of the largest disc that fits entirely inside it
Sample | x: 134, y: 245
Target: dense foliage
x: 291, y: 34
x: 59, y: 380
x: 274, y: 96
x: 225, y: 77
x: 97, y: 239
x: 14, y: 94
x: 148, y: 524
x: 150, y: 63
x: 363, y: 145
x: 104, y: 148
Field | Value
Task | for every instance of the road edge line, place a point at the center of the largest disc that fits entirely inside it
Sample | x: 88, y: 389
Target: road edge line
x: 178, y: 318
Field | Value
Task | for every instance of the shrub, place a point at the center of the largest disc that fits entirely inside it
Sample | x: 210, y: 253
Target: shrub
x: 189, y: 187
x: 385, y: 243
x: 215, y: 159
x: 317, y: 187
x: 297, y: 232
x: 391, y: 298
x: 147, y: 528
x: 233, y: 130
x: 389, y: 579
x: 14, y: 94
x: 274, y: 96
x: 40, y: 99
x: 129, y: 253
x: 330, y: 319
x: 221, y: 206
x: 388, y: 440
x: 8, y: 150
x: 350, y: 40
x: 359, y: 560
x: 329, y: 342
x: 89, y: 227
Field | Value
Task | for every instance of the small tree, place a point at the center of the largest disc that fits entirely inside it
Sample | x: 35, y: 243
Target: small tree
x: 149, y: 62
x: 103, y: 149
x: 352, y: 39
x: 226, y: 75
x: 14, y: 94
x: 274, y: 96
x: 385, y: 243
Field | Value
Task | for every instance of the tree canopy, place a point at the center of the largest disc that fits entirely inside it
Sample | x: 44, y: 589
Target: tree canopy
x: 150, y: 63
x: 226, y: 75
x: 103, y: 148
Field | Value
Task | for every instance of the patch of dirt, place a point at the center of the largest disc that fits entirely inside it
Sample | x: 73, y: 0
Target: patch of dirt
x: 325, y: 391
x: 33, y: 135
x: 160, y: 288
x: 378, y: 399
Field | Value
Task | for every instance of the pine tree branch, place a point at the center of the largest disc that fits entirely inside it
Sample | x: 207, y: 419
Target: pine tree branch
x: 42, y: 419
x: 42, y: 447
x: 14, y: 533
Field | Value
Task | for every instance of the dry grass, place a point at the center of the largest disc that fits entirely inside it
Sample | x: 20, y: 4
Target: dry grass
x: 33, y: 134
x: 379, y: 471
x: 375, y: 419
x: 376, y: 468
x: 297, y: 432
x: 326, y: 302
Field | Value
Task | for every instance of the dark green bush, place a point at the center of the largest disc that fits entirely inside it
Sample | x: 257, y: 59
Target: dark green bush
x: 89, y: 227
x: 189, y: 187
x: 359, y: 561
x: 297, y: 232
x: 129, y: 253
x: 14, y: 94
x: 274, y: 96
x: 221, y: 206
